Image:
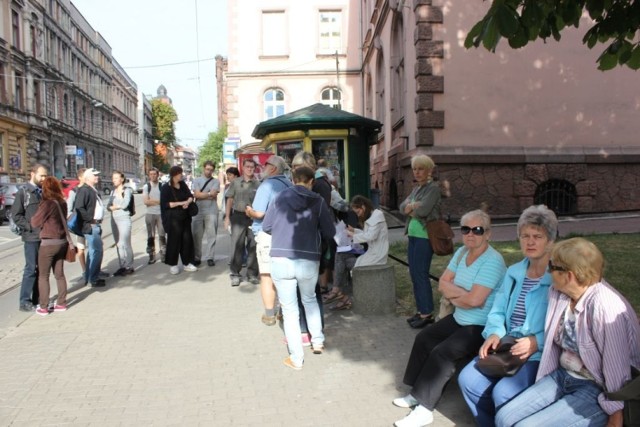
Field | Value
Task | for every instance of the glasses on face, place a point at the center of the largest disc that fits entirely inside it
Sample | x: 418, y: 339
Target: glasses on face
x: 553, y: 267
x: 477, y: 230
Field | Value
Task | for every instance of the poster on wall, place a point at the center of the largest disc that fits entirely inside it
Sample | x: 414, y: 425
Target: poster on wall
x: 260, y: 159
x: 229, y: 146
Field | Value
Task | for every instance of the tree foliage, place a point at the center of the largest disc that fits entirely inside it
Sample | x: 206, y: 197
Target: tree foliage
x: 616, y: 25
x: 212, y: 149
x: 164, y: 133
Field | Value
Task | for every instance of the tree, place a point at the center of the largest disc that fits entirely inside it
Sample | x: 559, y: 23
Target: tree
x: 616, y: 22
x: 212, y: 149
x: 164, y: 134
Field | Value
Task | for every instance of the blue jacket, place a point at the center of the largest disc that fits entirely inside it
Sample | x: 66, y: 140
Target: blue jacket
x: 535, y: 303
x: 298, y: 220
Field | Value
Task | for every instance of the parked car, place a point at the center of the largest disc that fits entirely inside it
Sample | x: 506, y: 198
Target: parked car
x: 134, y: 183
x: 68, y: 184
x: 8, y: 192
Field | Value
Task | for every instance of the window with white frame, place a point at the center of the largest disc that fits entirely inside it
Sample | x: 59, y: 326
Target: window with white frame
x: 274, y: 33
x: 331, y: 96
x: 273, y: 102
x: 330, y: 31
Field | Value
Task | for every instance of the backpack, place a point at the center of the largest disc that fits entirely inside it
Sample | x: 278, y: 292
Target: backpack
x: 15, y: 228
x: 132, y: 205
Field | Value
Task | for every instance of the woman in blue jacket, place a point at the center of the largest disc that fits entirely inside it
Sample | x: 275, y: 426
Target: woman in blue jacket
x: 518, y: 310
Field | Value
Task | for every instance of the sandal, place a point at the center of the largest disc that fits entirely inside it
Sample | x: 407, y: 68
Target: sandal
x: 345, y: 303
x: 324, y: 290
x: 333, y: 295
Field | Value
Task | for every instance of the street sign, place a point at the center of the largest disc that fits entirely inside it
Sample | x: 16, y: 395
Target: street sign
x: 80, y: 152
x: 70, y: 150
x: 79, y: 160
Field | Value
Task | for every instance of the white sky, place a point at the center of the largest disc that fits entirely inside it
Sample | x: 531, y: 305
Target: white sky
x: 148, y: 33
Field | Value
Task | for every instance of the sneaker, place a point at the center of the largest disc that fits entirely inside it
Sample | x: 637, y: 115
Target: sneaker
x: 211, y: 263
x: 26, y: 307
x: 103, y: 275
x: 306, y: 340
x: 268, y: 320
x: 129, y: 271
x: 42, y: 311
x: 235, y: 281
x: 288, y: 362
x: 196, y: 263
x: 174, y: 269
x: 190, y: 267
x: 120, y: 272
x: 419, y: 417
x: 407, y: 401
x: 98, y: 284
x: 152, y: 259
x: 318, y: 348
x: 254, y: 280
x: 59, y: 307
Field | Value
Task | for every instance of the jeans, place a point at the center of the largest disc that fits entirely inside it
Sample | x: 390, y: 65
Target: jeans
x: 436, y: 351
x: 94, y: 253
x: 121, y: 229
x: 29, y: 287
x: 153, y: 222
x: 204, y: 225
x: 485, y: 395
x: 557, y: 399
x: 289, y: 275
x: 241, y: 237
x: 420, y: 254
x: 52, y: 257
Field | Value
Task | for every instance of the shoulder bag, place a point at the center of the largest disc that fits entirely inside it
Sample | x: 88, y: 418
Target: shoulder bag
x: 440, y: 237
x: 446, y: 308
x: 71, y: 249
x: 630, y: 394
x: 500, y: 362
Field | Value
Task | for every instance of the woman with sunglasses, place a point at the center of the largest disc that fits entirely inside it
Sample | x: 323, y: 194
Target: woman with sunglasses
x: 473, y: 273
x: 422, y: 205
x: 591, y: 341
x: 518, y: 310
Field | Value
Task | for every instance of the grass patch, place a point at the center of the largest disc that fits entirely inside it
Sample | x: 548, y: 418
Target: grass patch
x: 621, y: 267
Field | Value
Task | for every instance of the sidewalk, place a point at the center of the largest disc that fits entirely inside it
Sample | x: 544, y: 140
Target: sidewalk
x: 156, y: 349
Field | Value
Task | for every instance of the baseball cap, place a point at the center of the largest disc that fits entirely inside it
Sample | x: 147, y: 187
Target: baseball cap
x: 93, y: 171
x: 278, y: 162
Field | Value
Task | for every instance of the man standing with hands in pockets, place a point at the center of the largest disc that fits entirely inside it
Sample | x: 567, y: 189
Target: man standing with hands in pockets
x: 205, y: 223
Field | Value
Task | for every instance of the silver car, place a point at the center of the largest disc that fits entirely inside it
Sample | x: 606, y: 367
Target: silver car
x: 8, y: 191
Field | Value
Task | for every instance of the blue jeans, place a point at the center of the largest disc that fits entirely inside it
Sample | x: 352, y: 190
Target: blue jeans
x: 420, y: 254
x: 289, y: 275
x: 94, y: 253
x: 557, y: 399
x: 484, y: 395
x: 29, y: 286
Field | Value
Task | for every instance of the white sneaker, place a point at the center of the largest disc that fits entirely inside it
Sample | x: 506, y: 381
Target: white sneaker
x: 419, y: 417
x: 174, y: 269
x: 190, y: 267
x: 405, y: 402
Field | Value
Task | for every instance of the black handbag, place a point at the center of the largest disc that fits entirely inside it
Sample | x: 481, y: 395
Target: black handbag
x: 500, y: 362
x: 630, y: 394
x: 193, y: 209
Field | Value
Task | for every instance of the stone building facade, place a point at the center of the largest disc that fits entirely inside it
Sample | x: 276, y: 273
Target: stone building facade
x: 57, y: 92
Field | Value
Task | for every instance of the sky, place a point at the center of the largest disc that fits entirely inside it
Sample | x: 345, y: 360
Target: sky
x: 146, y: 35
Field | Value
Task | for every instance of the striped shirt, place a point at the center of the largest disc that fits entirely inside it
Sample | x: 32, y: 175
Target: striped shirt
x: 608, y: 337
x: 519, y: 311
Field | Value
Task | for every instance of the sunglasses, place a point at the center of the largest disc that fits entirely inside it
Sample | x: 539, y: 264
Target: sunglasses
x: 478, y: 230
x: 553, y: 267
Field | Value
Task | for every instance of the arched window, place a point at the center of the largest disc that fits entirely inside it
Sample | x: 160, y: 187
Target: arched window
x: 397, y: 63
x: 65, y: 108
x: 331, y: 96
x: 273, y: 102
x: 380, y: 86
x: 558, y: 195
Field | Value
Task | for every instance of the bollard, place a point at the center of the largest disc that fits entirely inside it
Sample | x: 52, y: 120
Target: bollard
x: 374, y: 289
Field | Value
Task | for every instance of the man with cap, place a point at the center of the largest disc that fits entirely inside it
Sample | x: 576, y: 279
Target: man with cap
x: 272, y: 184
x: 91, y: 211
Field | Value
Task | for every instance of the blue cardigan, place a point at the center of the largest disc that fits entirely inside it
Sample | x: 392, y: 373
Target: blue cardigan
x: 535, y: 303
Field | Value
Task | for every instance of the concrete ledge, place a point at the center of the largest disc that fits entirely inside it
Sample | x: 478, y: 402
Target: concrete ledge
x: 374, y: 289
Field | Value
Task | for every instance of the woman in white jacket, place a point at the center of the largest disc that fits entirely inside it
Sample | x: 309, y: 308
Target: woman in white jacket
x: 375, y: 234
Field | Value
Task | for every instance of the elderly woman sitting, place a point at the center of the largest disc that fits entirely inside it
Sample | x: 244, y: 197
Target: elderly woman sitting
x: 518, y: 311
x: 473, y: 273
x: 591, y: 342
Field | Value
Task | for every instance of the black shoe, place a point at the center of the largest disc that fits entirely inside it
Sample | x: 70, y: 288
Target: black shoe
x: 27, y: 307
x: 413, y: 318
x: 152, y: 259
x: 211, y: 263
x: 98, y: 284
x: 197, y: 263
x: 121, y: 272
x: 128, y: 271
x: 254, y: 280
x: 235, y: 281
x: 422, y: 322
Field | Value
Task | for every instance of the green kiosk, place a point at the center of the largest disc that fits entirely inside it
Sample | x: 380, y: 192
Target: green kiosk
x: 342, y: 139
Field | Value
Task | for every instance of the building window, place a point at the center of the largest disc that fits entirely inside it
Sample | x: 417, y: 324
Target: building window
x: 331, y: 97
x: 3, y: 87
x: 18, y: 100
x: 15, y: 28
x: 1, y: 151
x: 398, y: 88
x: 273, y: 103
x: 36, y: 98
x: 65, y: 108
x: 558, y: 195
x: 330, y: 32
x: 380, y: 89
x: 274, y: 33
x: 32, y: 34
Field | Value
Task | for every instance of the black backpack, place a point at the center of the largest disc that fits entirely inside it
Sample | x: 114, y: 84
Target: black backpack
x: 15, y: 228
x: 132, y: 204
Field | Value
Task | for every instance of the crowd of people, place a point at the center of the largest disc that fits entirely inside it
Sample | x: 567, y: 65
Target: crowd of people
x: 572, y: 338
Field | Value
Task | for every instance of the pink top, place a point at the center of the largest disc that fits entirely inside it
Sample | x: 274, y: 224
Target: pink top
x: 607, y: 333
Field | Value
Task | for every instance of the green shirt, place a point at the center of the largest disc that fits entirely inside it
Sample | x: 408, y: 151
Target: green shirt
x: 416, y: 229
